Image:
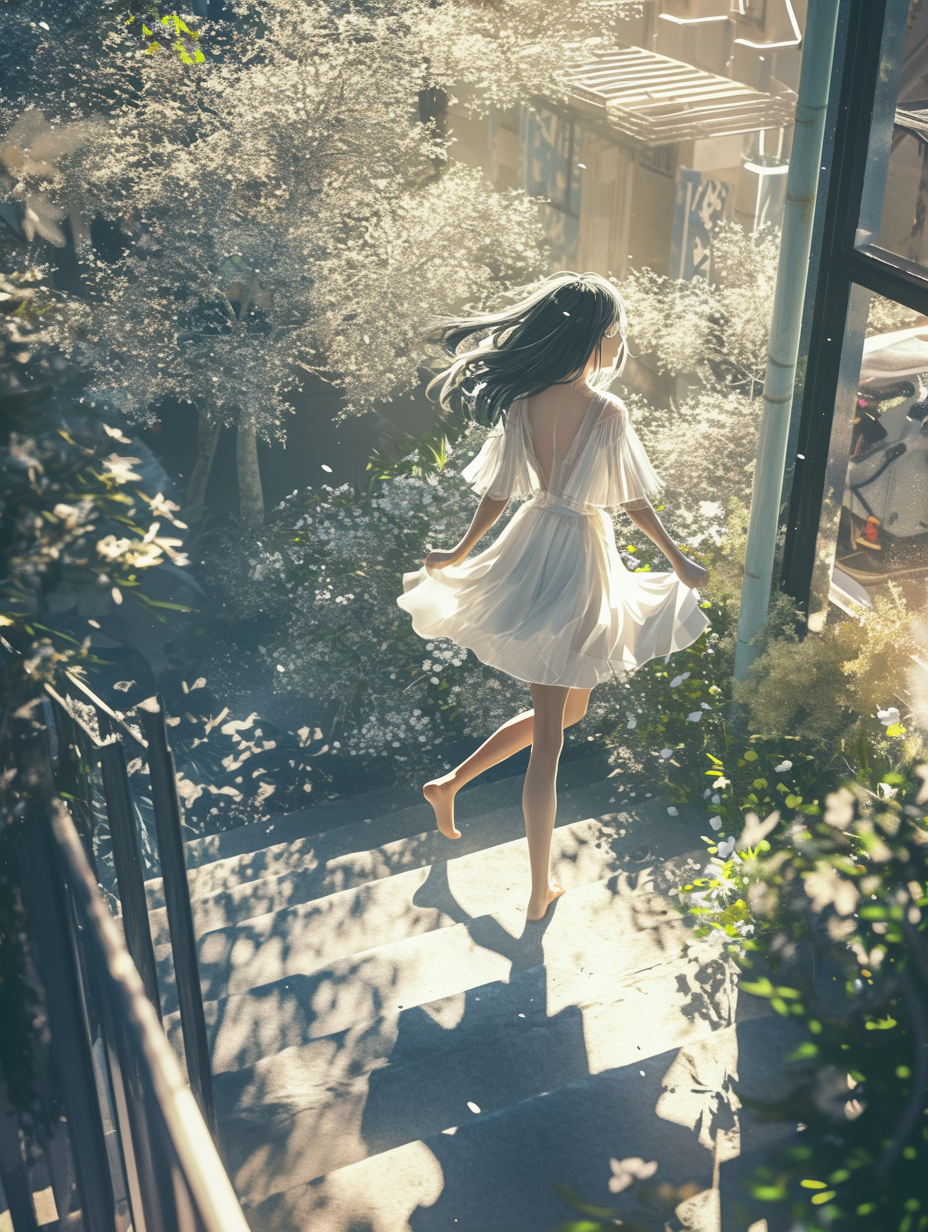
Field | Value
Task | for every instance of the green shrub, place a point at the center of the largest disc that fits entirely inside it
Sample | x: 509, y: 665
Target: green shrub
x: 846, y: 877
x: 825, y: 687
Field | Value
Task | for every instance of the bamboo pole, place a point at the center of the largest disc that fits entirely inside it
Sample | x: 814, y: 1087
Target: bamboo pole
x: 801, y: 188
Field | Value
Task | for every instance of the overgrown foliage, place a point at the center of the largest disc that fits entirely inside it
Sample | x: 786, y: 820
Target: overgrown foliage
x: 841, y: 871
x: 816, y: 836
x: 274, y: 202
x: 72, y: 519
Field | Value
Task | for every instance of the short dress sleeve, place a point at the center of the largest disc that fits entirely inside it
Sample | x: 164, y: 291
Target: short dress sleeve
x: 500, y: 470
x: 617, y: 468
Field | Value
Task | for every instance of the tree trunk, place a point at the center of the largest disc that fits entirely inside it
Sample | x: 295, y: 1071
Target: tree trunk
x: 207, y: 439
x: 250, y: 492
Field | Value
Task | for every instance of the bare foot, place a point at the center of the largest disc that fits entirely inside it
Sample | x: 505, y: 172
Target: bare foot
x: 536, y: 911
x: 440, y: 794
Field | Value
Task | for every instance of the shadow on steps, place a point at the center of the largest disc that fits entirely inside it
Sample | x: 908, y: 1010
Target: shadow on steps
x: 495, y: 1172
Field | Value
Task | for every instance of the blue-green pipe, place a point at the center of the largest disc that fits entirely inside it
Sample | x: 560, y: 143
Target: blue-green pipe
x: 801, y: 185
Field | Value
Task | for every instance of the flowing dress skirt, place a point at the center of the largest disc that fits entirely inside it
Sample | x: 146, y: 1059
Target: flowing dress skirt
x: 550, y: 602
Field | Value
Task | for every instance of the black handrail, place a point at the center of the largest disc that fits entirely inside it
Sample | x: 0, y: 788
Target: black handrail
x: 108, y: 748
x: 167, y: 1163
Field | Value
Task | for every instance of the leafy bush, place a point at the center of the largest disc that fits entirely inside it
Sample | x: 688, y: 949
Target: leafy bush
x: 825, y: 687
x: 817, y: 834
x: 842, y: 873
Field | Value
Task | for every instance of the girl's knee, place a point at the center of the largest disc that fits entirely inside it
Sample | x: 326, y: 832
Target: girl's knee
x: 549, y: 741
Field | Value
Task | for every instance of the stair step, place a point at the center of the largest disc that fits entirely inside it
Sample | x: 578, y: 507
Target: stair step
x: 389, y: 806
x: 495, y: 1171
x: 301, y: 939
x: 317, y: 867
x: 619, y: 920
x: 309, y: 1110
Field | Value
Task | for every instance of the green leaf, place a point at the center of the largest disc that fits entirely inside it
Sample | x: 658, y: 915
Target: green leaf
x: 881, y: 1024
x: 813, y: 1184
x: 768, y: 1193
x: 174, y: 607
x: 804, y: 1052
x: 573, y: 1199
x: 821, y: 1198
x: 583, y: 1225
x: 750, y: 755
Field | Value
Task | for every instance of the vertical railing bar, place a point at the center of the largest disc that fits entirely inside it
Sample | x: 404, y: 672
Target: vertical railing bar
x: 128, y: 863
x: 179, y: 911
x: 13, y: 1167
x: 132, y: 1144
x: 74, y: 739
x: 49, y: 913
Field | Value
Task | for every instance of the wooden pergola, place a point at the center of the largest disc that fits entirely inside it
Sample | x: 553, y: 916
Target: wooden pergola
x: 656, y: 100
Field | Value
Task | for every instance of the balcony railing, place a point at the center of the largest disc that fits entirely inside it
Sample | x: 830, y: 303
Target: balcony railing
x: 129, y: 1145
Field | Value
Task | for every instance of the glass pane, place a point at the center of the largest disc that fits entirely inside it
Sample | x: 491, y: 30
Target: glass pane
x: 895, y: 200
x: 875, y: 519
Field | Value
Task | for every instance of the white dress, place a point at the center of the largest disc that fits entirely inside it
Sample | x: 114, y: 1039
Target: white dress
x: 550, y: 602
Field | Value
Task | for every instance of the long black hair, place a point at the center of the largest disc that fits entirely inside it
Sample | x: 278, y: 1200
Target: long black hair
x: 545, y: 338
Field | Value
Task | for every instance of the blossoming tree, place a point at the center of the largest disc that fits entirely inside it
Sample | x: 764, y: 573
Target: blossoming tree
x: 280, y: 206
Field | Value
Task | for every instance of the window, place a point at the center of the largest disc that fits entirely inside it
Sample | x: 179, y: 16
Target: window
x: 874, y: 526
x: 857, y: 521
x: 661, y: 158
x: 895, y: 193
x: 755, y: 10
x: 552, y: 150
x: 551, y: 143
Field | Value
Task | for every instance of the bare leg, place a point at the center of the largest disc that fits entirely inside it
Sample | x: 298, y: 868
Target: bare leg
x: 514, y: 735
x: 539, y: 795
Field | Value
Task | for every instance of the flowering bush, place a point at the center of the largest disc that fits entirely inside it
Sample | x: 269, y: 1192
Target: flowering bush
x: 711, y: 335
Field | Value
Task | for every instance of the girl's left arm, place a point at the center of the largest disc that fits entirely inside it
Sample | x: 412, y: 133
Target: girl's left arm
x: 688, y: 571
x: 488, y: 512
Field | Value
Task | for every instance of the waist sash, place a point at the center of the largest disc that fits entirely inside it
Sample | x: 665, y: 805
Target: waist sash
x: 557, y: 502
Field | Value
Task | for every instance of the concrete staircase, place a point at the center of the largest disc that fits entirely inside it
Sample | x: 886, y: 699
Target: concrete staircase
x: 396, y: 1049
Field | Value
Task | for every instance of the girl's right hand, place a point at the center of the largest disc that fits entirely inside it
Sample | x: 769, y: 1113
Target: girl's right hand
x: 691, y: 574
x: 440, y: 560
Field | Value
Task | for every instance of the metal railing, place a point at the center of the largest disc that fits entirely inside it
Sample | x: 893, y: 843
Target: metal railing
x: 139, y: 1142
x: 71, y: 735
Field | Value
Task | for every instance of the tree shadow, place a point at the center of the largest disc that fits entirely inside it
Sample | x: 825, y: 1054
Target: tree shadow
x: 677, y: 1109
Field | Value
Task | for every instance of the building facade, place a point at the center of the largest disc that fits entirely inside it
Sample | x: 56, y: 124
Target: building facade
x: 688, y: 124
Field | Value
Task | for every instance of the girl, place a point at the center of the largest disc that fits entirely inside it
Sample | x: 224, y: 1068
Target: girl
x: 550, y: 602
